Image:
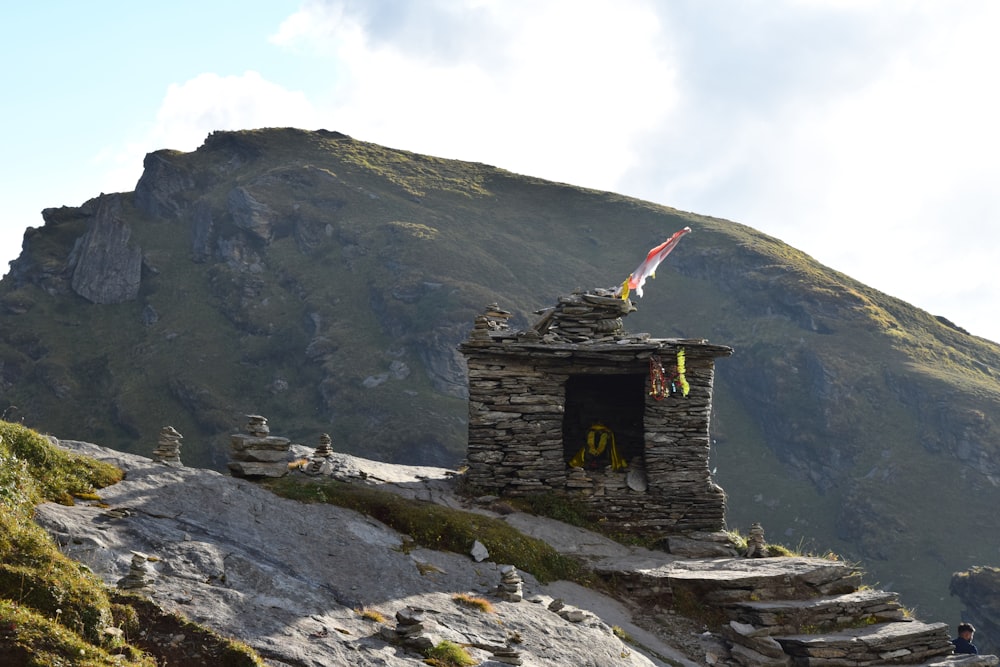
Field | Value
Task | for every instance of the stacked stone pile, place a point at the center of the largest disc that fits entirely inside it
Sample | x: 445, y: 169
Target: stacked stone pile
x: 412, y: 629
x: 257, y: 453
x: 508, y: 655
x: 492, y: 321
x: 325, y: 447
x: 168, y: 447
x: 139, y: 575
x: 511, y: 588
x: 756, y: 544
x: 320, y: 462
x: 594, y: 316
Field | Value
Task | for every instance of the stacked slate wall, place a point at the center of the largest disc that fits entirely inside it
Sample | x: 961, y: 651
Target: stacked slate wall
x: 517, y: 393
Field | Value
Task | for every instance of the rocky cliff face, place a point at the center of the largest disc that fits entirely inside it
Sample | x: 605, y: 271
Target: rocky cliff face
x: 327, y: 283
x: 106, y: 266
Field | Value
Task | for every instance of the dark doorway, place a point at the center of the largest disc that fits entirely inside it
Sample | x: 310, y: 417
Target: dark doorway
x: 616, y: 401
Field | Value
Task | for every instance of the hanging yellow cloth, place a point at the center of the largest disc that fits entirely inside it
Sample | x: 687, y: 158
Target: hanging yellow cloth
x: 681, y: 380
x: 598, y: 438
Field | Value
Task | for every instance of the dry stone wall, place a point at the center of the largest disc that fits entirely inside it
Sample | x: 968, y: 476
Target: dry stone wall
x: 518, y: 401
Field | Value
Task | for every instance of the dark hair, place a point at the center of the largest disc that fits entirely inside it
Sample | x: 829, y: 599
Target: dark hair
x: 965, y: 627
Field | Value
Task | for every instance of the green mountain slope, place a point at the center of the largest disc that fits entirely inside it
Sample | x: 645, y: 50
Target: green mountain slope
x: 326, y: 283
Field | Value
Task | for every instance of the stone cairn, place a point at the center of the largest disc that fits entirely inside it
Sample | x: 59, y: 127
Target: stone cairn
x: 412, y: 629
x: 256, y: 453
x: 594, y: 316
x: 319, y: 463
x: 756, y: 545
x: 139, y: 575
x: 508, y: 655
x: 494, y: 319
x: 168, y: 447
x: 511, y: 588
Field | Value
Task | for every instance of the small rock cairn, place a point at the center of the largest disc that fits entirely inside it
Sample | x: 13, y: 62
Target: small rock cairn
x: 139, y: 575
x: 511, y: 588
x: 319, y: 463
x: 168, y: 447
x: 412, y: 627
x: 756, y: 544
x: 256, y: 453
x: 508, y: 655
x: 594, y: 316
x: 493, y: 319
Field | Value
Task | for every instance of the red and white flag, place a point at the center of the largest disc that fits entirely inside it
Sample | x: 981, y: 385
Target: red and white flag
x: 647, y: 269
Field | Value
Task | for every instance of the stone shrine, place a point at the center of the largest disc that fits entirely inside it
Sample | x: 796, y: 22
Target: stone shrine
x: 576, y: 406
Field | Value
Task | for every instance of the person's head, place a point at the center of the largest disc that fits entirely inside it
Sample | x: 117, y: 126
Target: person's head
x: 965, y: 630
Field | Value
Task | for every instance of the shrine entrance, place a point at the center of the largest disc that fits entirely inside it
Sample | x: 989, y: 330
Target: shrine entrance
x: 617, y: 402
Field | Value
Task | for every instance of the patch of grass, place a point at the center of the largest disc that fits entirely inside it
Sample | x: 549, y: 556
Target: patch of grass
x: 556, y: 507
x: 473, y: 602
x: 449, y: 654
x: 371, y: 615
x: 440, y: 528
x: 53, y: 611
x: 622, y: 634
x: 32, y: 638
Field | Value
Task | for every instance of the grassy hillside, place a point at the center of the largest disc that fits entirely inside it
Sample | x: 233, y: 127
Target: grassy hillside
x: 326, y: 283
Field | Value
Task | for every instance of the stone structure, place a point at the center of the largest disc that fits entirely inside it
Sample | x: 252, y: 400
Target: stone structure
x: 511, y: 587
x: 139, y: 575
x: 257, y: 453
x: 325, y: 447
x: 320, y: 463
x: 535, y: 395
x: 756, y: 544
x: 413, y: 629
x: 168, y: 447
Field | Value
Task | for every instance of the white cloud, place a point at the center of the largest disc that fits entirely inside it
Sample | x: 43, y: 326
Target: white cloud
x: 529, y: 87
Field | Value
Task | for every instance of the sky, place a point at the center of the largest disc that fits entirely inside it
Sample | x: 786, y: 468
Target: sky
x: 865, y: 133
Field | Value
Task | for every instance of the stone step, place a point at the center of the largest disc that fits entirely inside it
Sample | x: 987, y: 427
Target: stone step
x: 720, y: 582
x: 822, y: 613
x: 727, y: 581
x: 896, y: 643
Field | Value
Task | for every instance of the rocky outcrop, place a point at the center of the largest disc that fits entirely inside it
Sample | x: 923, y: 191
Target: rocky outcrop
x: 163, y: 188
x: 107, y: 267
x: 250, y: 214
x: 979, y: 590
x: 314, y: 584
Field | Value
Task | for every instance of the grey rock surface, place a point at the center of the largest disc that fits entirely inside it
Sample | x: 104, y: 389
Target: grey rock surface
x: 108, y: 265
x: 290, y: 579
